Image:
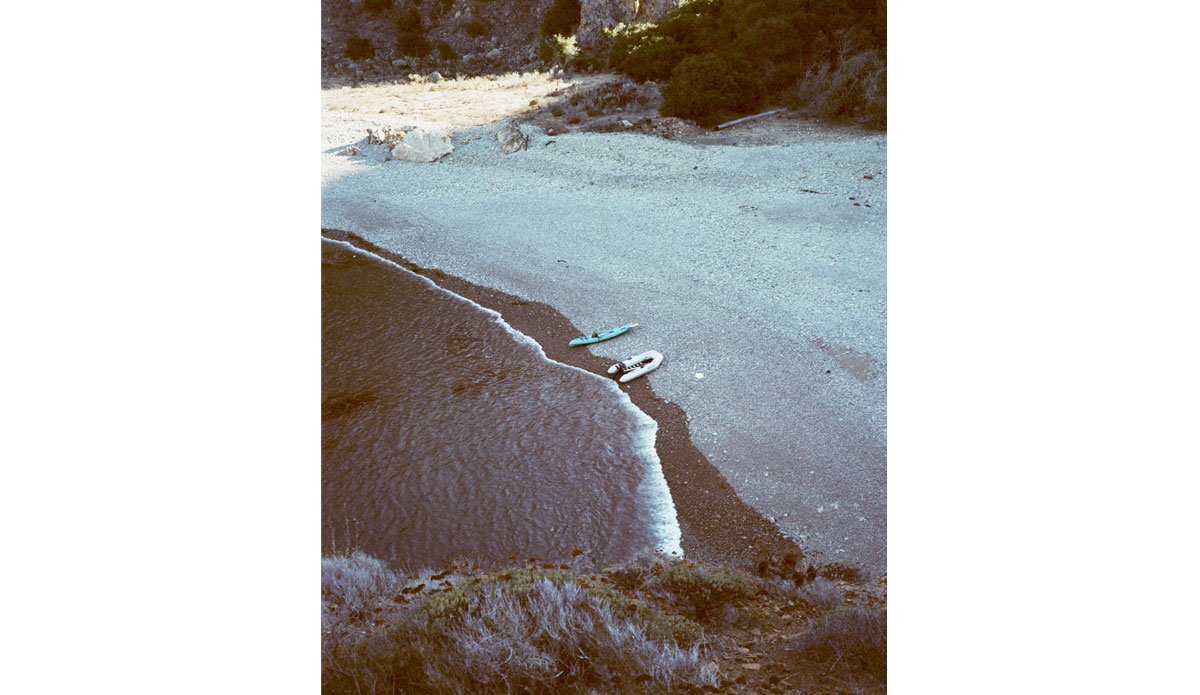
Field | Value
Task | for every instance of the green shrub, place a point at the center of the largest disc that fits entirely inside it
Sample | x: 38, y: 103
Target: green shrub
x: 699, y: 590
x: 584, y: 62
x: 410, y: 31
x: 844, y: 570
x: 558, y: 49
x: 446, y: 51
x: 854, y: 88
x: 710, y: 87
x: 703, y: 26
x: 562, y: 19
x: 408, y: 21
x: 413, y: 44
x: 801, y: 51
x: 358, y: 48
x: 644, y: 55
x: 849, y: 644
x: 476, y: 27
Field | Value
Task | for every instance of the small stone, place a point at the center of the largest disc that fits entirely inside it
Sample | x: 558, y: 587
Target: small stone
x: 435, y: 76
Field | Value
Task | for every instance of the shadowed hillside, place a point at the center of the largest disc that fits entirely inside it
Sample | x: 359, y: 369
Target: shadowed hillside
x: 714, y: 60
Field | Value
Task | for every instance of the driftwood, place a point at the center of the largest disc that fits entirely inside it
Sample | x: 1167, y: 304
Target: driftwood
x: 749, y: 118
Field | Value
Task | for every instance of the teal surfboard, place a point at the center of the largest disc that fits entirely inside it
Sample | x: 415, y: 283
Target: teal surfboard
x: 602, y: 335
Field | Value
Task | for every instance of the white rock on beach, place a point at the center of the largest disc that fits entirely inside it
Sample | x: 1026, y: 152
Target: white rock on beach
x: 511, y: 138
x: 422, y: 145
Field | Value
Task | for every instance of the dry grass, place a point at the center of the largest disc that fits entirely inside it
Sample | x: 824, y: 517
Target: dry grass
x: 655, y: 625
x: 822, y: 594
x: 849, y: 648
x: 519, y: 631
x: 459, y: 102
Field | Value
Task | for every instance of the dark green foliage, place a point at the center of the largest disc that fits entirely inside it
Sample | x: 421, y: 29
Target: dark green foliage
x: 415, y: 45
x: 408, y: 21
x: 446, y: 51
x: 562, y: 19
x: 358, y: 48
x: 476, y: 27
x: 644, y: 55
x: 806, y: 52
x: 854, y: 88
x: 411, y: 39
x: 710, y: 87
x: 849, y: 644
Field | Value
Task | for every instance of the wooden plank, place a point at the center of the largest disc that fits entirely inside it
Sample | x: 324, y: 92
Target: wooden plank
x: 749, y: 118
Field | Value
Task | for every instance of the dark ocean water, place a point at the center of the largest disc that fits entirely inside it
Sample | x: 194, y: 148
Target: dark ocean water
x: 446, y: 435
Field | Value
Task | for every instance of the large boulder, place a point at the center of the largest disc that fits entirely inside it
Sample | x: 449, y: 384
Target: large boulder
x: 420, y: 145
x: 511, y: 138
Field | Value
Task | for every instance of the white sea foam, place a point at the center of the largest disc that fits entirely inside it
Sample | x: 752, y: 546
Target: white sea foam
x: 653, y: 487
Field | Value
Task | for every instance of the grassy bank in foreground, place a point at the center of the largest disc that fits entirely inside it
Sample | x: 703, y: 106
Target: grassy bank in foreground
x: 654, y: 625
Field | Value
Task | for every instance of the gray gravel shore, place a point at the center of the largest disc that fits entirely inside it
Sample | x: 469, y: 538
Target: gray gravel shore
x: 751, y: 269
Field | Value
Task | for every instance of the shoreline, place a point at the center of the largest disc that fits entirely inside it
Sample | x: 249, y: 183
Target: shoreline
x: 716, y: 525
x: 760, y: 272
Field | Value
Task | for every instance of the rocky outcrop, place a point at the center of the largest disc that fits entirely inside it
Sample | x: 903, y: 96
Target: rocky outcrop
x: 596, y: 15
x: 511, y: 138
x: 420, y: 145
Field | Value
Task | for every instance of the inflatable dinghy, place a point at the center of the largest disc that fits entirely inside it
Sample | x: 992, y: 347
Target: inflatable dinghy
x: 602, y: 335
x: 637, y: 365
